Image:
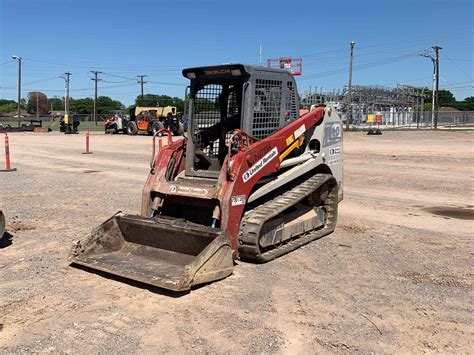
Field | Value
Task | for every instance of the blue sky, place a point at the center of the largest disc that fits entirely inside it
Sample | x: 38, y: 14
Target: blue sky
x: 158, y: 38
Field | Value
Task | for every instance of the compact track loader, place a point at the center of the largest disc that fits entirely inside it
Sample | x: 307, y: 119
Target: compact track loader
x: 251, y: 180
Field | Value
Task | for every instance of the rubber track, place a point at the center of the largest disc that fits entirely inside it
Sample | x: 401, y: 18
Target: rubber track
x: 254, y: 219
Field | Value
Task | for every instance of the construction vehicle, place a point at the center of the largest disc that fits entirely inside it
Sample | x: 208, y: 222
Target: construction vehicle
x: 251, y: 180
x: 115, y: 124
x: 152, y: 119
x: 374, y: 132
x: 5, y: 127
x: 30, y: 126
x: 69, y: 125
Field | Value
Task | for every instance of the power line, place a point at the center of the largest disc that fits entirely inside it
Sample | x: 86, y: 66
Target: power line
x: 114, y: 82
x: 368, y: 65
x: 460, y: 87
x: 459, y: 68
x: 462, y: 82
x: 460, y: 60
x: 119, y: 76
x: 465, y: 89
x: 41, y: 81
x: 138, y: 76
x: 152, y: 68
x: 164, y: 83
x: 424, y: 38
x: 338, y: 50
x: 80, y: 89
x: 409, y: 81
x: 101, y: 66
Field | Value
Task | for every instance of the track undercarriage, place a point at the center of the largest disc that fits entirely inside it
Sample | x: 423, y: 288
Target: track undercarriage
x: 305, y: 211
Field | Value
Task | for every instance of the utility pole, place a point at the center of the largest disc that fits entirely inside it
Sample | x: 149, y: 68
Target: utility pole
x: 435, y: 95
x: 436, y: 49
x: 19, y: 87
x: 96, y: 79
x: 141, y: 82
x: 66, y: 100
x: 349, y: 94
x: 68, y: 126
x: 37, y: 105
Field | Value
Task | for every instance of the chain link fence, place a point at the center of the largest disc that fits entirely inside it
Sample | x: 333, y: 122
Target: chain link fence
x: 86, y: 121
x: 415, y: 119
x: 49, y: 118
x: 389, y: 119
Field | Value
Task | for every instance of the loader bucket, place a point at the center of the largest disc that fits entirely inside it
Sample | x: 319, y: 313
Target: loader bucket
x: 165, y: 252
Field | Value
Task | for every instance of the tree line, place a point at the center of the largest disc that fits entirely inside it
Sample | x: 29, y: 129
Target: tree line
x: 38, y: 101
x: 106, y: 104
x: 447, y: 99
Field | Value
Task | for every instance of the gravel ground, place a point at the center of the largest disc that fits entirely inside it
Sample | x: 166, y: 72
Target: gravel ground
x: 396, y: 276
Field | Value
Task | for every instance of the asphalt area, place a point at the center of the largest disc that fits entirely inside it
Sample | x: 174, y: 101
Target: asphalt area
x: 395, y: 276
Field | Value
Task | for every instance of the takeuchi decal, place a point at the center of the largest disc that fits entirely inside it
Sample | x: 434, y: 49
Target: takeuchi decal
x: 260, y: 164
x: 188, y: 190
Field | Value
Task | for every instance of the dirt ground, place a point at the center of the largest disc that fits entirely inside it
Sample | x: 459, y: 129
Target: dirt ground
x: 396, y: 276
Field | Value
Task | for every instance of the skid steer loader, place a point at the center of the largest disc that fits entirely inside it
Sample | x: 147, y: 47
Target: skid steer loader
x: 251, y: 180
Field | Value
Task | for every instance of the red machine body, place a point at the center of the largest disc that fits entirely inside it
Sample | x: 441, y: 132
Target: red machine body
x: 254, y: 160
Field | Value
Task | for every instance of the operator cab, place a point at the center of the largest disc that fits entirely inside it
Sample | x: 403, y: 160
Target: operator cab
x: 257, y: 100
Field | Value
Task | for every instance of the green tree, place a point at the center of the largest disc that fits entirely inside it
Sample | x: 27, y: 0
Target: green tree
x: 129, y: 109
x: 58, y: 104
x: 86, y: 105
x: 466, y: 105
x: 153, y: 100
x: 446, y: 98
x: 8, y: 107
x: 105, y: 104
x: 427, y: 106
x: 179, y: 103
x: 37, y: 99
x: 81, y: 106
x: 5, y: 101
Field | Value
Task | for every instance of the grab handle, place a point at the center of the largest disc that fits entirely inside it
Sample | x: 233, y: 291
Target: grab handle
x: 159, y: 132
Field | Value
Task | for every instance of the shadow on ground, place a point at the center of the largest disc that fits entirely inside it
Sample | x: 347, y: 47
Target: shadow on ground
x: 6, y: 240
x: 133, y: 283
